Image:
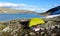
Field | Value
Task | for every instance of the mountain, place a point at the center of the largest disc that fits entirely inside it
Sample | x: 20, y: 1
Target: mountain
x: 52, y: 11
x: 10, y: 10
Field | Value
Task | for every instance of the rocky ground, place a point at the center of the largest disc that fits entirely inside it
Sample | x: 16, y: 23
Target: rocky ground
x: 14, y: 28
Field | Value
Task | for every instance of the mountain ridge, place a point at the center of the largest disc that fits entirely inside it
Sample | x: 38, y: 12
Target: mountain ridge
x: 4, y: 10
x: 50, y: 11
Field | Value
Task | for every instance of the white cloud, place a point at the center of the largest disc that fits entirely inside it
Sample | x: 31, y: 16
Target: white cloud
x: 22, y: 6
x: 2, y: 4
x: 56, y: 4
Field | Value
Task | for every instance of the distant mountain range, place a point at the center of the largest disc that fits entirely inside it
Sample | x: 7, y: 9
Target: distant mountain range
x: 8, y: 10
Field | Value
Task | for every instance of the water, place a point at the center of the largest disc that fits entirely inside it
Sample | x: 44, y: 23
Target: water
x: 4, y: 17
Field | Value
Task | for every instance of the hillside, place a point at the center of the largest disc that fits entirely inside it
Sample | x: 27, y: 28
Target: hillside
x: 13, y: 27
x: 55, y: 10
x: 10, y: 10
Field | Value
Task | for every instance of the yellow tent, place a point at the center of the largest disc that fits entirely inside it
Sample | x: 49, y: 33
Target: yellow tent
x: 36, y: 21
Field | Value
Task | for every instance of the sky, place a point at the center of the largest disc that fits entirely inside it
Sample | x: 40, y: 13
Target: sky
x: 33, y: 5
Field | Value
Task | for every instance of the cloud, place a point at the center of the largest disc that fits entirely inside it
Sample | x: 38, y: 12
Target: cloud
x: 55, y: 5
x: 10, y: 4
x: 22, y: 6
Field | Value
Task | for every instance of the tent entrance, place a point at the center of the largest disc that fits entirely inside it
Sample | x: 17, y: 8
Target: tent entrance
x: 25, y: 24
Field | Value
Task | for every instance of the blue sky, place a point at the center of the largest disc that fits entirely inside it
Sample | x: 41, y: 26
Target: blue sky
x: 34, y: 5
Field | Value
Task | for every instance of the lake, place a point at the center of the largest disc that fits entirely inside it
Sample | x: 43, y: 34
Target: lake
x: 5, y: 17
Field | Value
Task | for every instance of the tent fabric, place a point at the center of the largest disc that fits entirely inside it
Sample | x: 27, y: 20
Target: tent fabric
x: 36, y: 21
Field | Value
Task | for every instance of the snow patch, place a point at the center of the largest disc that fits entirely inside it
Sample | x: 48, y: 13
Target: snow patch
x: 51, y: 16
